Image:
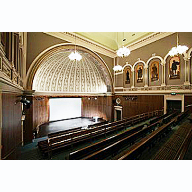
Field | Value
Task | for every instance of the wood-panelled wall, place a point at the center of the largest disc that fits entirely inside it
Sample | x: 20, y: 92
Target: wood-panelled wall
x: 97, y: 106
x: 11, y: 125
x: 41, y: 110
x: 188, y: 101
x: 142, y: 104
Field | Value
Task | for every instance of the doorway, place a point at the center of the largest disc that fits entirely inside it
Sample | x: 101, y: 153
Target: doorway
x: 118, y: 113
x: 174, y: 105
x: 174, y: 102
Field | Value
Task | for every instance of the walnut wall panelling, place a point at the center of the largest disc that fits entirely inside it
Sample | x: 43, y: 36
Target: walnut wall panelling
x: 28, y: 123
x: 40, y: 110
x: 100, y: 106
x: 11, y: 125
x: 142, y: 104
x: 188, y: 101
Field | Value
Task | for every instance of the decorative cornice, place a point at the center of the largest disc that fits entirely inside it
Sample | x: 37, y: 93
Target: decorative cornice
x: 148, y: 39
x: 94, y: 46
x: 39, y: 93
x: 178, y: 89
x: 70, y: 37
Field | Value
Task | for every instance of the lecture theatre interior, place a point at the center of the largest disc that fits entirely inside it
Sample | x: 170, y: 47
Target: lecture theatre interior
x: 96, y: 95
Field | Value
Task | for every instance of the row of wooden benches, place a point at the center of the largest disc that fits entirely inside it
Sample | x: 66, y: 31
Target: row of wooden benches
x: 177, y: 145
x: 111, y: 146
x: 136, y: 150
x: 77, y: 135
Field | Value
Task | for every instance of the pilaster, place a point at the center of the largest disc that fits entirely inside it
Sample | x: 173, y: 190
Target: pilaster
x: 187, y: 70
x: 133, y: 76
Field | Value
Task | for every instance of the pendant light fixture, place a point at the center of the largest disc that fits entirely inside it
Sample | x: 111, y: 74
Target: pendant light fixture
x: 123, y: 51
x: 180, y: 49
x: 117, y: 67
x: 75, y: 55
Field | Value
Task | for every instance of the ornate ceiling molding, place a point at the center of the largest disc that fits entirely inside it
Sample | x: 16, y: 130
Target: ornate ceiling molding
x: 70, y: 37
x: 148, y: 39
x: 94, y: 46
x: 57, y: 73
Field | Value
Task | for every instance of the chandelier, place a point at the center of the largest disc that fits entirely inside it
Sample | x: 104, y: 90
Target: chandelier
x: 117, y: 68
x: 75, y: 55
x: 180, y: 49
x: 123, y: 51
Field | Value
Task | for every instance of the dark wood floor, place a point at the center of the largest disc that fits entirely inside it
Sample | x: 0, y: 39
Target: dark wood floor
x: 62, y: 125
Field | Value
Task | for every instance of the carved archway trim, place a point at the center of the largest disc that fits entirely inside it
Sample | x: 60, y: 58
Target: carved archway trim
x: 55, y: 49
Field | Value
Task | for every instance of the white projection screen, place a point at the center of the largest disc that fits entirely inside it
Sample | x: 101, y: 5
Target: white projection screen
x: 63, y: 108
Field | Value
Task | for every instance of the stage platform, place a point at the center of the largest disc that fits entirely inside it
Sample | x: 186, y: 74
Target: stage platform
x: 65, y: 124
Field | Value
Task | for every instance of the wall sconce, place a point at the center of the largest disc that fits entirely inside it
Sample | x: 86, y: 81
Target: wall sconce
x: 24, y: 100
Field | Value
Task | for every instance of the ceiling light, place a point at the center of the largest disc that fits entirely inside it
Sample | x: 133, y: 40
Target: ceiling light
x: 75, y: 55
x: 117, y: 68
x: 180, y: 49
x: 123, y: 51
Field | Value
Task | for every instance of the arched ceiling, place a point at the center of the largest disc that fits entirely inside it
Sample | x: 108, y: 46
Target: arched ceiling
x: 57, y: 73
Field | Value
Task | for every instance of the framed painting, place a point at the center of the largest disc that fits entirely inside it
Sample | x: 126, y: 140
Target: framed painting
x: 174, y: 68
x: 154, y: 71
x: 139, y: 73
x: 127, y: 75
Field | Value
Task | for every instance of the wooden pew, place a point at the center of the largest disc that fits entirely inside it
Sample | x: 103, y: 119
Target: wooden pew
x: 67, y: 138
x: 139, y: 147
x: 115, y: 147
x: 177, y: 145
x: 96, y: 146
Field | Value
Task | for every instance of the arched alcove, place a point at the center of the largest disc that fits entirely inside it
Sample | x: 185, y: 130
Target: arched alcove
x: 53, y: 71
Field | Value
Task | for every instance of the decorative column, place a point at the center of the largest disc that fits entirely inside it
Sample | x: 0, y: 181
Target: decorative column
x: 146, y: 76
x: 133, y: 77
x: 163, y: 73
x: 187, y: 70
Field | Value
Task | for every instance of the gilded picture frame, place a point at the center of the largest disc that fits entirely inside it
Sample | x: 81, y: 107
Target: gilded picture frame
x: 127, y: 75
x: 154, y: 71
x: 139, y: 73
x: 174, y: 68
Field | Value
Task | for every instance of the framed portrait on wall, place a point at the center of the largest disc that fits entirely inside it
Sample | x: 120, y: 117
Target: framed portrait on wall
x: 139, y: 73
x: 174, y: 68
x: 154, y: 71
x: 127, y: 75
